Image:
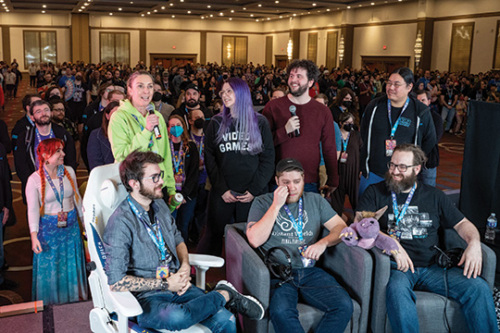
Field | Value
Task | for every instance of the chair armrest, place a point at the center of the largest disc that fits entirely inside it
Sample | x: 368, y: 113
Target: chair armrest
x: 205, y: 260
x: 381, y: 275
x: 353, y: 268
x: 245, y: 269
x: 124, y: 303
x: 489, y: 265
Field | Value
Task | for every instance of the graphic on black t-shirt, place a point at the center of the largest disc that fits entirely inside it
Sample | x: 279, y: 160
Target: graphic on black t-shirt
x: 234, y: 141
x: 287, y: 232
x: 413, y: 224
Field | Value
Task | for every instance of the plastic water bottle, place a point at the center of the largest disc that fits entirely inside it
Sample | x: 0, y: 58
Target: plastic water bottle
x: 176, y: 201
x: 491, y: 225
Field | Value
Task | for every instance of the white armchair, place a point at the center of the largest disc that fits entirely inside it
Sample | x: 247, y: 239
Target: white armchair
x: 112, y: 310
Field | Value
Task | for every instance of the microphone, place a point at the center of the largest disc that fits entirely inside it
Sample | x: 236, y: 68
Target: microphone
x: 293, y: 110
x: 156, y: 130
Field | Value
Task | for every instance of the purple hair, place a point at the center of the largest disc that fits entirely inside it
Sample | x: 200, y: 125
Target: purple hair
x: 246, y: 118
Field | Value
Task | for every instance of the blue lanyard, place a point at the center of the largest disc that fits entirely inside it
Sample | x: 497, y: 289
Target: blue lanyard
x: 142, y: 129
x: 177, y: 157
x: 39, y: 138
x: 60, y: 175
x: 30, y: 121
x: 346, y: 141
x: 201, y: 145
x: 298, y: 226
x: 397, y: 214
x: 156, y: 237
x: 395, y: 127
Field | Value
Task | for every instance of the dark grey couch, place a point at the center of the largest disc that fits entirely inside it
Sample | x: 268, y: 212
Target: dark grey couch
x: 352, y: 267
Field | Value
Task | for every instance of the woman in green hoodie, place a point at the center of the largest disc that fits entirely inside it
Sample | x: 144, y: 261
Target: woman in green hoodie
x: 135, y: 127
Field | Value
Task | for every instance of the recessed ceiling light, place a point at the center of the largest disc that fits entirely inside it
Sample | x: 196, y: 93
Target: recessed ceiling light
x: 142, y: 15
x: 211, y: 15
x: 173, y: 16
x: 203, y: 17
x: 149, y: 13
x: 328, y: 9
x: 230, y: 19
x: 120, y: 9
x: 232, y: 10
x: 163, y: 7
x: 189, y: 12
x: 276, y: 1
x: 260, y: 5
x: 7, y: 10
x: 314, y: 4
x: 360, y: 5
x: 43, y: 11
x: 373, y: 3
x: 251, y: 15
x: 110, y: 14
x: 281, y: 16
x: 244, y: 8
x: 44, y: 6
x: 209, y: 6
x: 156, y: 10
x: 182, y: 0
x: 171, y: 4
x: 348, y: 7
x: 131, y: 2
x: 294, y: 14
x: 268, y: 18
x: 257, y: 20
x: 86, y: 4
x: 221, y: 14
x: 79, y: 10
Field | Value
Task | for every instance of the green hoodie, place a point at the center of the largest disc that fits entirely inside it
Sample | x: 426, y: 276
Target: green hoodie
x: 127, y: 132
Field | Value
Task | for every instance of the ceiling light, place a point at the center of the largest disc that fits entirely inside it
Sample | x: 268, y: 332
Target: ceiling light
x: 7, y: 10
x: 173, y: 16
x: 244, y: 8
x: 281, y: 16
x: 142, y: 15
x: 360, y: 5
x: 211, y: 15
x: 232, y: 10
x: 171, y: 4
x: 251, y: 15
x: 268, y: 18
x: 43, y: 11
x: 44, y: 6
x: 182, y: 0
x: 260, y: 5
x: 314, y: 4
x: 149, y: 13
x: 131, y: 2
x: 86, y: 4
x: 348, y: 7
x: 230, y: 19
x: 120, y: 9
x: 276, y: 1
x: 328, y: 9
x: 209, y: 6
x: 156, y: 10
x: 294, y: 14
x: 163, y: 7
x: 221, y: 14
x: 373, y: 3
x: 257, y: 20
x: 79, y: 10
x: 203, y: 17
x: 110, y: 14
x: 189, y: 12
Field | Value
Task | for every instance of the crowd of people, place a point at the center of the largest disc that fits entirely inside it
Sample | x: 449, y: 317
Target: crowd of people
x: 279, y: 149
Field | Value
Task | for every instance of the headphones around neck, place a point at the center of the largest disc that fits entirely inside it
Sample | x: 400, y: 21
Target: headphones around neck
x: 277, y: 269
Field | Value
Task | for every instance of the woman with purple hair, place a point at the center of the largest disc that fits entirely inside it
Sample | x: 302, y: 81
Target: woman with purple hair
x: 239, y: 158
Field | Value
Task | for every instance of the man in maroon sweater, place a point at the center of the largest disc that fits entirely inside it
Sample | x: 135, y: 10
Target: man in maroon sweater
x: 300, y: 124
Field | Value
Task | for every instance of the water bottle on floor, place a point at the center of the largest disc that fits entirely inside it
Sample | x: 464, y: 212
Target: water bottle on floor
x: 491, y: 225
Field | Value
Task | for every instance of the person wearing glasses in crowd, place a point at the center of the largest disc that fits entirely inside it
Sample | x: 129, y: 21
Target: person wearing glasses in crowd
x: 133, y: 127
x: 54, y: 205
x: 239, y: 158
x: 185, y: 162
x: 414, y: 212
x: 392, y: 120
x: 25, y: 153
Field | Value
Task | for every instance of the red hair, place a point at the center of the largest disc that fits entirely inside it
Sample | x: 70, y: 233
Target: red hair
x: 48, y: 147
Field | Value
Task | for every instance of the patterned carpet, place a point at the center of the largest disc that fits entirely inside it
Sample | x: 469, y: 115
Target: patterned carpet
x: 17, y: 241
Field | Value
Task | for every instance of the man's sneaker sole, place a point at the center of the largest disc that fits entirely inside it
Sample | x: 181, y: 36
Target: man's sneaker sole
x: 227, y: 286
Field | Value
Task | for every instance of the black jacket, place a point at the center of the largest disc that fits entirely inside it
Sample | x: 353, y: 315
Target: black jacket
x: 376, y: 129
x: 24, y: 154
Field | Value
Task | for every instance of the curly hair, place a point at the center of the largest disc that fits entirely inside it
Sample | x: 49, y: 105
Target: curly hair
x: 419, y: 157
x: 132, y: 166
x: 310, y: 67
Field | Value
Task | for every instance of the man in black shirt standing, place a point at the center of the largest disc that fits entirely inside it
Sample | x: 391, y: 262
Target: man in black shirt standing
x: 416, y: 212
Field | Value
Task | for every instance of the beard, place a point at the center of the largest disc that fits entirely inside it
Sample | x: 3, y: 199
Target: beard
x: 191, y: 103
x: 398, y: 186
x: 151, y: 193
x: 43, y: 121
x: 300, y: 90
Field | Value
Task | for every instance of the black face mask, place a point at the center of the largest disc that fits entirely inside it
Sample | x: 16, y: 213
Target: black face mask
x: 157, y: 96
x: 347, y: 104
x: 198, y: 123
x: 164, y: 98
x: 348, y: 127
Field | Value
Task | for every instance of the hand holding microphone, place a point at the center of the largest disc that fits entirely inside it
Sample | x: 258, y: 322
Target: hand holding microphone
x: 293, y: 124
x: 153, y: 121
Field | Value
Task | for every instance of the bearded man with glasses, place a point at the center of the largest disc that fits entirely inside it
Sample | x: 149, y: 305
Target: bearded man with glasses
x: 415, y: 213
x: 391, y: 120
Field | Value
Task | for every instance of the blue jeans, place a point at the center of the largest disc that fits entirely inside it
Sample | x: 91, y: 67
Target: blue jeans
x: 428, y: 176
x: 365, y: 182
x: 316, y: 288
x: 167, y: 310
x: 448, y: 115
x: 184, y: 215
x: 473, y: 295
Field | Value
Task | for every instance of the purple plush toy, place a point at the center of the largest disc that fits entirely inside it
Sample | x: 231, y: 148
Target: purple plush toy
x: 366, y: 234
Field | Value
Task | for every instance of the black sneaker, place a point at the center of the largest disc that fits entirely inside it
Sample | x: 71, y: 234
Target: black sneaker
x: 246, y: 305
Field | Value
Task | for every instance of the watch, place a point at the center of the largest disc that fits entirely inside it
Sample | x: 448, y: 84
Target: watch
x: 164, y: 284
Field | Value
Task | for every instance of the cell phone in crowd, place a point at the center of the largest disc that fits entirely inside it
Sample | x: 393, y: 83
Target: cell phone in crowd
x: 236, y: 194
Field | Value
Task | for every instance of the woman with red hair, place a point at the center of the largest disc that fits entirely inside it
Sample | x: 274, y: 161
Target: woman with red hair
x: 53, y: 204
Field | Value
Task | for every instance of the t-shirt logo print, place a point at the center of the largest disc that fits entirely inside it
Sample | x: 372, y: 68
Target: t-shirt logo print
x: 286, y: 231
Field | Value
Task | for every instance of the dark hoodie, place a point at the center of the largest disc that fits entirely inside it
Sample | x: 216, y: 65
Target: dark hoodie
x: 376, y: 129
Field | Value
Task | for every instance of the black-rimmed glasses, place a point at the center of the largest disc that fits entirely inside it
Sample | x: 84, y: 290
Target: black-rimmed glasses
x: 401, y: 167
x: 156, y: 177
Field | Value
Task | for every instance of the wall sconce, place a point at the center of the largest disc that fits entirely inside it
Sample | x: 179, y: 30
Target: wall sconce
x: 418, y: 49
x: 341, y: 49
x: 289, y: 49
x: 228, y: 49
